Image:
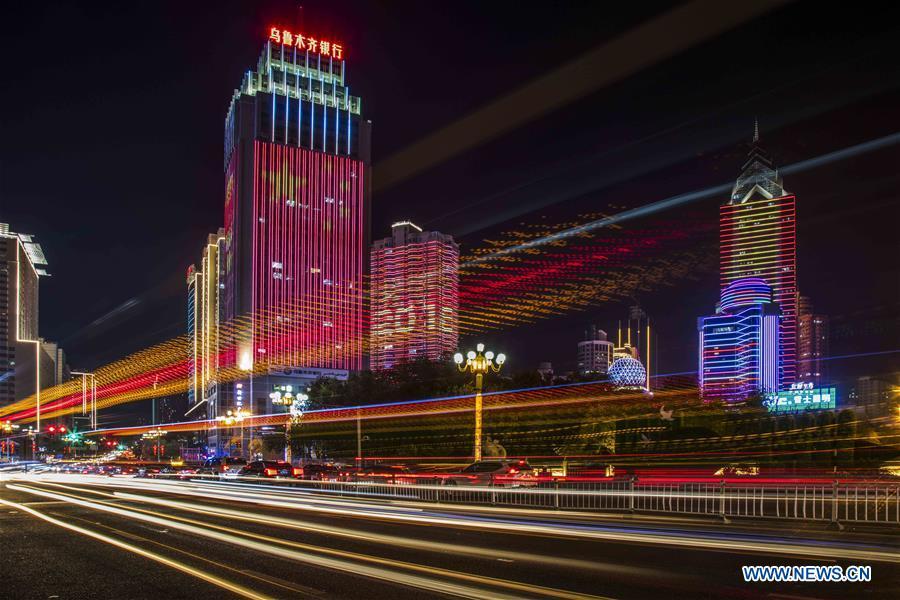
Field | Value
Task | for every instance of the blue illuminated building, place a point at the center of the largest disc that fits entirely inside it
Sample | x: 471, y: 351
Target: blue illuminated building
x: 740, y: 346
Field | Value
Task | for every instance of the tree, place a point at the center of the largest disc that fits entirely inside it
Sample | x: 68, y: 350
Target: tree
x: 255, y: 446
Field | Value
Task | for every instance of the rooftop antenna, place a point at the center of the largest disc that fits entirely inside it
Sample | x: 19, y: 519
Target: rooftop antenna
x: 755, y: 130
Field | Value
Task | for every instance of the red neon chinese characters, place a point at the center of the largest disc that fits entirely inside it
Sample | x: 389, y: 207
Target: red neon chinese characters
x: 301, y: 42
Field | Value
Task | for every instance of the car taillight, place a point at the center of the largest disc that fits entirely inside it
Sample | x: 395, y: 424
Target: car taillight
x: 513, y: 470
x: 271, y: 472
x: 297, y: 471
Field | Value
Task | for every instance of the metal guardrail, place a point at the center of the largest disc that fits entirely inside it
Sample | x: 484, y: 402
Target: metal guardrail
x: 836, y: 502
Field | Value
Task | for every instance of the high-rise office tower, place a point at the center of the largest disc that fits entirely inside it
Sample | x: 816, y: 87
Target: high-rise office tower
x: 414, y: 296
x: 758, y: 239
x: 740, y: 345
x: 595, y: 353
x: 812, y: 344
x: 203, y: 319
x: 297, y: 190
x: 21, y: 353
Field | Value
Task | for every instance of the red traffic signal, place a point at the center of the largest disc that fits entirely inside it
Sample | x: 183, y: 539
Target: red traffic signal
x: 51, y: 429
x: 62, y: 428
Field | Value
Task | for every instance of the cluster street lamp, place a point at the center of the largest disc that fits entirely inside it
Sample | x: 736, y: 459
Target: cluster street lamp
x: 296, y: 404
x: 232, y: 417
x: 479, y: 362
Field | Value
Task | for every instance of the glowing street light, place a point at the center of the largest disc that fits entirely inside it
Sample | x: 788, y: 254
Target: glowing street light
x: 232, y: 418
x: 479, y: 362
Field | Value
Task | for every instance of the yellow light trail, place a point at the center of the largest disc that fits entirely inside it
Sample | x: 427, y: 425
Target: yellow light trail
x: 372, y: 509
x: 281, y: 548
x: 217, y: 581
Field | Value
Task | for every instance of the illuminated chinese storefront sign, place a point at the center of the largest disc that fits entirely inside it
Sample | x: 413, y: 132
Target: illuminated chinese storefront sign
x: 309, y: 44
x: 802, y: 397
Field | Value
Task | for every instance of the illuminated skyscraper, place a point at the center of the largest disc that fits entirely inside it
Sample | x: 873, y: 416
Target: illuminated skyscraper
x: 296, y: 212
x: 22, y: 356
x: 812, y: 344
x: 740, y: 344
x: 203, y: 318
x: 757, y: 237
x: 415, y: 296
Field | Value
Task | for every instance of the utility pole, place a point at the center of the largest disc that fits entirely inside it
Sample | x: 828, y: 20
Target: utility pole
x: 358, y: 439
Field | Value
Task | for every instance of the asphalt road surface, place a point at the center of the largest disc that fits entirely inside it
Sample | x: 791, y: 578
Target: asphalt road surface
x: 75, y: 536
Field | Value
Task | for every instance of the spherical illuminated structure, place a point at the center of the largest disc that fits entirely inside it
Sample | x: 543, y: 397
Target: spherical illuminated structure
x: 628, y: 372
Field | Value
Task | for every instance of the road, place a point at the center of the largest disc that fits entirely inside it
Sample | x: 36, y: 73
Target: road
x: 75, y: 536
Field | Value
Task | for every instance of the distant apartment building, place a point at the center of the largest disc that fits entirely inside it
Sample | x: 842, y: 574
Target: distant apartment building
x: 812, y: 344
x: 595, y: 353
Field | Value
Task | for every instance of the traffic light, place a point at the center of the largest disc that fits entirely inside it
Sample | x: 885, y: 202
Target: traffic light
x: 51, y: 429
x: 62, y: 428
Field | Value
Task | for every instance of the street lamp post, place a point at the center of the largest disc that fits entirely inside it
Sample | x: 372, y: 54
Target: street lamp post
x: 235, y: 416
x: 296, y: 404
x: 479, y: 362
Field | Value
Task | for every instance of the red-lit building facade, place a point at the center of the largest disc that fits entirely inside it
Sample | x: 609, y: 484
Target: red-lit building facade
x: 414, y: 296
x: 297, y: 209
x: 758, y: 239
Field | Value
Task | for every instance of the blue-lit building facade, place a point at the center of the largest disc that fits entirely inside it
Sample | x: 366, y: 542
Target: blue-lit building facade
x: 740, y: 346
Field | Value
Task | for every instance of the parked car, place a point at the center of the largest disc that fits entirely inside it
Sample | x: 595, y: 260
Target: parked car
x: 151, y: 470
x: 378, y: 473
x: 317, y: 472
x: 499, y: 472
x: 270, y: 468
x: 223, y: 467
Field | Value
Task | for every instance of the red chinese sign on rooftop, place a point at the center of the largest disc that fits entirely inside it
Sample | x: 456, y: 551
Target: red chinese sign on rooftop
x: 309, y: 44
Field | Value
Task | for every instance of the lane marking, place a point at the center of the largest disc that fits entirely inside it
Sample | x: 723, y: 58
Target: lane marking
x: 390, y: 575
x: 232, y: 587
x: 298, y: 588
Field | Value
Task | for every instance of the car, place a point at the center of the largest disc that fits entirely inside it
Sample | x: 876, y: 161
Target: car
x: 270, y: 468
x: 223, y: 467
x: 150, y: 470
x: 378, y: 473
x: 185, y: 473
x: 316, y: 472
x: 497, y: 472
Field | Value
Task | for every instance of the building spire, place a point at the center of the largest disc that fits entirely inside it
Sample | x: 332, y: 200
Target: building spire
x: 758, y: 175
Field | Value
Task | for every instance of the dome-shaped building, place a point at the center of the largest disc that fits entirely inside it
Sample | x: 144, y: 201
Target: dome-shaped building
x: 628, y: 372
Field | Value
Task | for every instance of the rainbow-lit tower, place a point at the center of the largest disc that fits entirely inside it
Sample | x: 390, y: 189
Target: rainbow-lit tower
x: 758, y: 239
x: 740, y: 348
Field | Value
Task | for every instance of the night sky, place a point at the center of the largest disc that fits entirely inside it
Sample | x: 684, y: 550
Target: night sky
x: 111, y: 123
